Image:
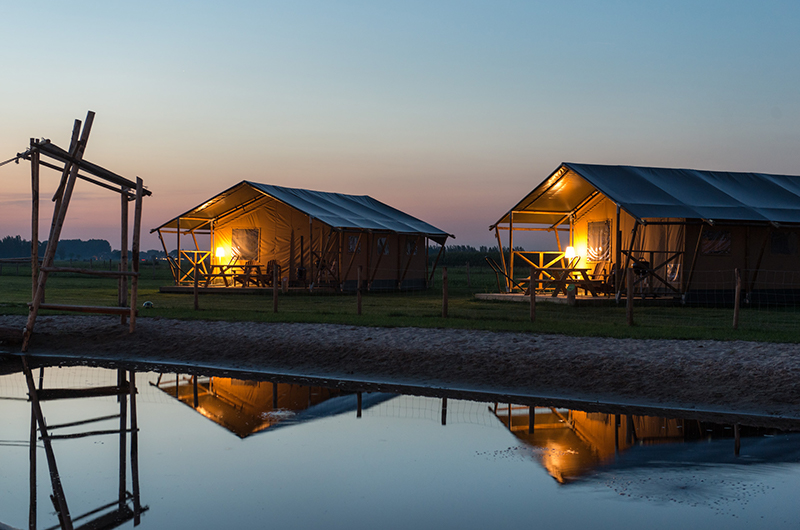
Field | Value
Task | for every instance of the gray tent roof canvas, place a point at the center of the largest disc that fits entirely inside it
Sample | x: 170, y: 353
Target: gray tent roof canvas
x: 647, y: 193
x: 338, y: 210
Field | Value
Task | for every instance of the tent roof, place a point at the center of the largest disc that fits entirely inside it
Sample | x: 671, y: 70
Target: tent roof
x: 648, y: 193
x: 337, y: 210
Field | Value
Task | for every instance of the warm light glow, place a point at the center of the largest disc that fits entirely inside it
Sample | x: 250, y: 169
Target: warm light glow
x: 220, y: 252
x: 569, y: 253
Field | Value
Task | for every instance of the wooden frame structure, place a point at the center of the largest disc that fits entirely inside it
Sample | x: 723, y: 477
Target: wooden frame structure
x: 127, y: 506
x: 74, y: 167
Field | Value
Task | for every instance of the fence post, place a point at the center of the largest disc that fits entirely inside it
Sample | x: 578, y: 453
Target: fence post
x: 532, y: 289
x: 196, y: 290
x: 444, y: 292
x: 358, y: 290
x: 629, y: 301
x: 274, y: 287
x: 737, y: 298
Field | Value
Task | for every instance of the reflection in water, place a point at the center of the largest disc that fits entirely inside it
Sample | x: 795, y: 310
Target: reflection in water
x: 430, y: 459
x: 572, y: 443
x: 126, y: 506
x: 244, y: 407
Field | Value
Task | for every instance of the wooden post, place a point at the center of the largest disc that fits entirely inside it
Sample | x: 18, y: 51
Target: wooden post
x: 510, y: 250
x: 123, y: 252
x: 469, y: 283
x: 444, y: 292
x: 358, y: 401
x: 55, y: 478
x: 737, y: 439
x: 532, y: 289
x: 275, y: 287
x: 34, y: 217
x: 196, y: 291
x: 195, y: 394
x: 737, y: 298
x: 358, y: 290
x: 618, y: 253
x: 531, y: 418
x: 629, y: 299
x: 274, y: 396
x: 310, y: 270
x: 444, y: 411
x: 134, y: 448
x: 137, y: 233
x: 32, y: 471
x: 123, y: 438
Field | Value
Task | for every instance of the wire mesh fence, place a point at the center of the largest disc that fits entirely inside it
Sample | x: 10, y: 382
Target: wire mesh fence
x: 474, y: 296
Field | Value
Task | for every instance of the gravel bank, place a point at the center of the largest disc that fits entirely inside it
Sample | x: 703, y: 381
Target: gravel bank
x: 758, y: 378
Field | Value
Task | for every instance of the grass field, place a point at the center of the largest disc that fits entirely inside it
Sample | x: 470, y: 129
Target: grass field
x: 420, y: 309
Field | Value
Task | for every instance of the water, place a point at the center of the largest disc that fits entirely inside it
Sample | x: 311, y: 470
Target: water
x: 234, y: 460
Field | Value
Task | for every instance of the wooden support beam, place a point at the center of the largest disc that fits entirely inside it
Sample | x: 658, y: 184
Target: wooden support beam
x: 408, y: 264
x: 137, y: 237
x: 435, y: 262
x: 353, y: 257
x: 50, y: 394
x: 503, y: 257
x: 752, y: 282
x: 137, y: 508
x: 694, y: 260
x: 91, y: 272
x: 380, y: 257
x: 34, y: 217
x: 105, y: 310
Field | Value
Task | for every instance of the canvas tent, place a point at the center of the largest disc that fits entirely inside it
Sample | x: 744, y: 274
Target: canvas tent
x: 315, y: 238
x: 681, y: 227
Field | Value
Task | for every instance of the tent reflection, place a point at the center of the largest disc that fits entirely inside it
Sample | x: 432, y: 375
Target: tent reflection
x: 244, y: 407
x: 571, y: 443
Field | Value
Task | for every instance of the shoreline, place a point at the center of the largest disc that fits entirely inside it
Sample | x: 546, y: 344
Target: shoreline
x: 738, y: 377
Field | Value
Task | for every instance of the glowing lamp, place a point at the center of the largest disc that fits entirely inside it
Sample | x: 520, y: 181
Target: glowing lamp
x: 570, y: 253
x: 220, y: 252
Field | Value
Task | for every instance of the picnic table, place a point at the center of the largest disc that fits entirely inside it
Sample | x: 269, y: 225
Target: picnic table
x: 246, y: 274
x: 561, y: 277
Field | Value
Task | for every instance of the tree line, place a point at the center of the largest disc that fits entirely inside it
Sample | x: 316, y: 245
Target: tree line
x: 78, y: 249
x: 461, y: 254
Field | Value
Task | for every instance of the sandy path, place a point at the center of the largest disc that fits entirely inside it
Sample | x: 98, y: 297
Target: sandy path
x: 752, y: 377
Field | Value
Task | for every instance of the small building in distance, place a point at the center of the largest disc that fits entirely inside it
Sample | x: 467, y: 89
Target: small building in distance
x: 316, y: 239
x: 683, y: 231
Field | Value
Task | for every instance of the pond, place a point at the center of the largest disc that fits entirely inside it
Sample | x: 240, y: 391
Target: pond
x: 213, y: 451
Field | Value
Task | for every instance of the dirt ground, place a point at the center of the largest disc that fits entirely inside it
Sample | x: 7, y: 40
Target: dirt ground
x: 745, y: 377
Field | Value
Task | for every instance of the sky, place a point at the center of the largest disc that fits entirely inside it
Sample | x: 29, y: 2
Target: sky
x: 449, y: 110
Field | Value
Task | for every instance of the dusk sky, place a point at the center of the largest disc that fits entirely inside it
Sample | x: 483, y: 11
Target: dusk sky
x: 451, y: 111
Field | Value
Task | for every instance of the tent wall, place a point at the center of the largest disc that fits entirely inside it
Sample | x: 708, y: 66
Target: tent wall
x: 749, y: 248
x: 284, y: 232
x: 388, y: 258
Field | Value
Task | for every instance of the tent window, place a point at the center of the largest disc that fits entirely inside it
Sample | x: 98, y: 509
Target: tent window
x: 353, y: 245
x: 411, y: 248
x: 245, y: 243
x: 598, y: 246
x: 783, y: 243
x: 383, y: 244
x: 716, y: 242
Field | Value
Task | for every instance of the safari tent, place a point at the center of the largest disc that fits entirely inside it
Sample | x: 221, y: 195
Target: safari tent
x: 310, y: 238
x: 683, y: 231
